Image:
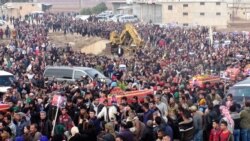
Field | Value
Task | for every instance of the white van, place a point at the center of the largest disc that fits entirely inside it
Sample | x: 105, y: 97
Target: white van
x: 6, y: 80
x: 240, y: 91
x: 128, y: 18
x: 67, y: 73
x: 103, y: 17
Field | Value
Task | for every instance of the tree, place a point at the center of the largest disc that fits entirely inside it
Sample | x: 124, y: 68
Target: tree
x: 99, y: 8
x: 86, y: 11
x: 94, y: 10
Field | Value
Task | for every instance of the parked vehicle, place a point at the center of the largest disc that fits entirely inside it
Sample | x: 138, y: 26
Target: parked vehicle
x: 2, y: 22
x: 240, y: 91
x: 128, y: 18
x: 107, y: 13
x: 103, y: 17
x: 66, y: 73
x: 82, y: 17
x: 6, y: 80
x: 115, y: 18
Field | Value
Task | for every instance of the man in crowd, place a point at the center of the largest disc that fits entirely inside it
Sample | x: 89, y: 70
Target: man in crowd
x: 177, y: 54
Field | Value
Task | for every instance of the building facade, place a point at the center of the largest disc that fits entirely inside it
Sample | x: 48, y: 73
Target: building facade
x: 17, y: 9
x: 196, y: 13
x: 183, y: 12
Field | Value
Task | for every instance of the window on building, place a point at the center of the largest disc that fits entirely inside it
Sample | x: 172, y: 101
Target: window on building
x: 202, y: 14
x: 202, y: 3
x: 218, y: 14
x: 20, y: 7
x: 33, y: 5
x: 170, y: 7
x: 185, y: 14
x: 185, y: 24
x: 185, y: 5
x: 217, y: 3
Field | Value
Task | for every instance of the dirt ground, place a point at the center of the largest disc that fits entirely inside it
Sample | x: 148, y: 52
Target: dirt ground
x: 89, y: 45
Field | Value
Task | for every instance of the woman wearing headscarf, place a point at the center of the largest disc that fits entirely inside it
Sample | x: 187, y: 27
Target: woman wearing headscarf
x: 76, y: 136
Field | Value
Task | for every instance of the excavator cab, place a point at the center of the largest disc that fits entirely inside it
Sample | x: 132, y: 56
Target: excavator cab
x: 114, y: 41
x: 128, y: 38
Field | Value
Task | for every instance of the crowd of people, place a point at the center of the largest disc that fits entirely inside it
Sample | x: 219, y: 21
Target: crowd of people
x: 171, y: 57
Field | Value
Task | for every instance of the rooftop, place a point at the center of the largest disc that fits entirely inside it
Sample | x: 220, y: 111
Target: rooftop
x: 224, y: 1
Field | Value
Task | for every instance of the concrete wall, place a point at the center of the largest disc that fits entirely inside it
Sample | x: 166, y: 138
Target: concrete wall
x: 240, y: 10
x: 116, y: 5
x: 147, y: 12
x: 195, y: 13
x: 22, y: 9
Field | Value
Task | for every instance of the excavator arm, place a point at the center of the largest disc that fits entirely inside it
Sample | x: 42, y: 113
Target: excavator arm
x: 128, y: 37
x: 130, y: 29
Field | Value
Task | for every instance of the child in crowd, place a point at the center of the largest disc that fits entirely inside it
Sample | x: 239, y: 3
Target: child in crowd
x: 215, y: 132
x: 225, y: 134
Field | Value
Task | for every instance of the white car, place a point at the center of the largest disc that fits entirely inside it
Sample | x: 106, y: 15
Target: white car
x: 104, y: 17
x: 82, y: 17
x: 115, y: 18
x: 6, y: 80
x: 107, y: 13
x: 2, y: 22
x: 128, y: 18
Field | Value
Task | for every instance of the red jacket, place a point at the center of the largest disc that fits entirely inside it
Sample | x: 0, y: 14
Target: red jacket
x: 66, y: 121
x: 214, y: 135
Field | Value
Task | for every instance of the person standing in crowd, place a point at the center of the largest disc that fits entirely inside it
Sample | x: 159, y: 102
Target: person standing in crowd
x: 20, y: 123
x: 96, y: 105
x: 45, y: 125
x: 186, y: 127
x: 8, y: 122
x: 125, y: 133
x: 65, y: 120
x: 109, y: 134
x: 148, y: 114
x: 215, y: 132
x: 198, y: 123
x: 227, y: 118
x: 244, y: 122
x: 75, y: 135
x: 94, y: 120
x: 138, y: 126
x: 225, y: 134
x: 236, y: 118
x: 6, y: 134
x: 107, y: 112
x: 148, y: 132
x: 35, y: 134
x: 161, y: 125
x: 161, y: 106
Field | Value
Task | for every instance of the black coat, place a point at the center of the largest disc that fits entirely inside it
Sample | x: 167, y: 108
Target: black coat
x: 78, y: 137
x: 45, y: 127
x: 148, y: 134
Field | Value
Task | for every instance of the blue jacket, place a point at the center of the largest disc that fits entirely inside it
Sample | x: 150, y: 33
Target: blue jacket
x: 20, y: 126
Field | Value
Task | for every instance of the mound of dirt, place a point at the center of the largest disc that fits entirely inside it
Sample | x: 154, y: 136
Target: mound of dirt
x: 74, y: 40
x: 96, y: 48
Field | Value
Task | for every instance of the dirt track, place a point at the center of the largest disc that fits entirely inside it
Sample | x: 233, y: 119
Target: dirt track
x: 90, y: 45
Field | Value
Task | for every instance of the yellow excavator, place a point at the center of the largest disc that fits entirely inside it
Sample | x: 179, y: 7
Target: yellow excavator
x: 129, y: 37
